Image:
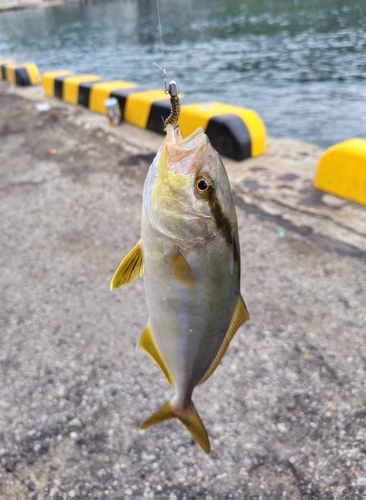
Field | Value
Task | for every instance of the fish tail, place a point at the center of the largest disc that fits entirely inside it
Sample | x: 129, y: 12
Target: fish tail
x: 188, y: 416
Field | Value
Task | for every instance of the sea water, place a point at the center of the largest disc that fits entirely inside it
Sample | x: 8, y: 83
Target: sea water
x: 300, y: 64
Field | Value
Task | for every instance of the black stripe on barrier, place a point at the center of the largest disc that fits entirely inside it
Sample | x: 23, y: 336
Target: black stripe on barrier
x: 121, y: 95
x: 59, y: 85
x: 3, y: 71
x: 230, y: 136
x: 159, y: 111
x: 22, y: 77
x: 84, y: 92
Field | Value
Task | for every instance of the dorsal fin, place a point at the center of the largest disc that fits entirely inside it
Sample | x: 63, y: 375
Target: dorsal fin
x: 148, y: 343
x: 130, y: 268
x: 240, y: 316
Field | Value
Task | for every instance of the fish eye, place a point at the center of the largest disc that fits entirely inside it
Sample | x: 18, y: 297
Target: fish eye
x: 203, y: 185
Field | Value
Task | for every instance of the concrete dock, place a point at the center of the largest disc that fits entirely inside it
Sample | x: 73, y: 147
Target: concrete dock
x: 285, y: 411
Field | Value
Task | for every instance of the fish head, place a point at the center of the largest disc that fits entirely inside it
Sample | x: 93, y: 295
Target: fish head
x: 187, y: 193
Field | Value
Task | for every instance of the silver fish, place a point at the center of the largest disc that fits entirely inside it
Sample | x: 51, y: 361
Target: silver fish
x: 190, y: 258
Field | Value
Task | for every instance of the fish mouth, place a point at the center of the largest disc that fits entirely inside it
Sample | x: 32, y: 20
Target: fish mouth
x: 185, y: 155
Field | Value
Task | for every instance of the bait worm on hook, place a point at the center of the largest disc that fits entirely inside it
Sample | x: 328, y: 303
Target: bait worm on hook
x: 174, y: 104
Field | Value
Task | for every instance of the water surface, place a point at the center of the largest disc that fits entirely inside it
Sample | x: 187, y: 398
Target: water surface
x: 300, y: 65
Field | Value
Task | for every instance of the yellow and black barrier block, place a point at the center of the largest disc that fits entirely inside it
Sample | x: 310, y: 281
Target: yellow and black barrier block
x: 122, y: 95
x: 70, y: 86
x: 342, y: 170
x: 87, y: 90
x: 159, y: 112
x: 23, y: 73
x: 235, y: 132
x: 142, y: 107
x: 93, y: 94
x: 138, y: 105
x: 49, y: 81
x: 3, y: 62
x: 66, y: 85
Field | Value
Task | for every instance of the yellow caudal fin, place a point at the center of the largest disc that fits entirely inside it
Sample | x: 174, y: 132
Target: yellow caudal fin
x: 130, y: 268
x: 189, y: 418
x: 240, y: 316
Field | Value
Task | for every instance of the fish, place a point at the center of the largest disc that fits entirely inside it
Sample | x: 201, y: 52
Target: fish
x: 189, y: 256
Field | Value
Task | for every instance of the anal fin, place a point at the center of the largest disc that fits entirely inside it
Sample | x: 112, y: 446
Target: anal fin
x: 130, y: 268
x: 239, y: 317
x: 148, y: 343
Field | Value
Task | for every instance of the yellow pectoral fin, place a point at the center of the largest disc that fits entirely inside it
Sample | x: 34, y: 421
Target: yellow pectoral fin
x: 240, y: 316
x: 180, y: 267
x: 189, y: 418
x: 130, y: 268
x: 148, y: 343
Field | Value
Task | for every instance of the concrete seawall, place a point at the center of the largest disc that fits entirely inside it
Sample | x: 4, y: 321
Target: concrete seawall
x: 12, y: 4
x: 22, y: 4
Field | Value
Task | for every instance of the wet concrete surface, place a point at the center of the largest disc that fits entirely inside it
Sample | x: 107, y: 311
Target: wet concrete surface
x: 285, y: 410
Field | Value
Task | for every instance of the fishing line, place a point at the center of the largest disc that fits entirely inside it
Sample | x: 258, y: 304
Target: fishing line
x: 172, y: 88
x: 161, y: 47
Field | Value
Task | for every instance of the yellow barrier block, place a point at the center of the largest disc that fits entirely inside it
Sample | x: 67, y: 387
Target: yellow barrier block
x: 48, y: 80
x: 342, y: 170
x: 10, y: 73
x: 4, y: 60
x: 199, y: 114
x: 102, y: 91
x: 26, y: 71
x: 138, y: 106
x: 70, y: 91
x: 33, y: 73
